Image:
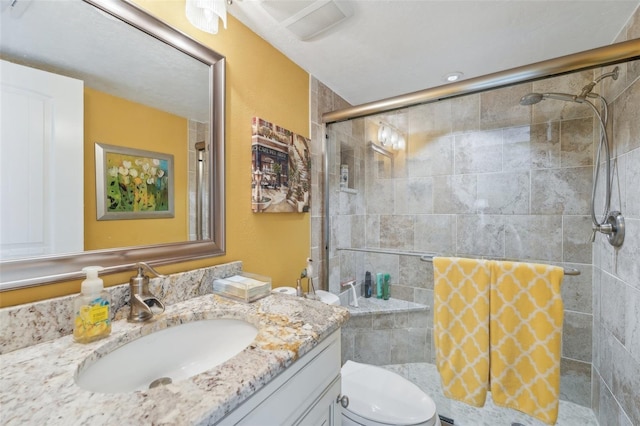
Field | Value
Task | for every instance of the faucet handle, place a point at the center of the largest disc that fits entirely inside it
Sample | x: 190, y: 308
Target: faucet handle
x: 143, y: 304
x: 144, y: 265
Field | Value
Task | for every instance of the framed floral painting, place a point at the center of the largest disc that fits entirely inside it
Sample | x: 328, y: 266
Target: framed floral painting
x: 133, y: 184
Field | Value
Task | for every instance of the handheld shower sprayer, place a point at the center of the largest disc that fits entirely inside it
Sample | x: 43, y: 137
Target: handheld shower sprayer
x: 534, y: 98
x: 612, y: 223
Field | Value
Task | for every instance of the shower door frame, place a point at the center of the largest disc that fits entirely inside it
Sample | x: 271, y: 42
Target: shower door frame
x: 589, y: 59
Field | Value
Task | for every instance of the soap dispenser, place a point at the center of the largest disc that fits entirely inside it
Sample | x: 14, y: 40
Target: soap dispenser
x: 92, y: 308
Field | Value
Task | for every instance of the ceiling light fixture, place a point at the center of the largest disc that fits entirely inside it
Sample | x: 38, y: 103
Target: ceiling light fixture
x: 453, y: 76
x: 204, y: 14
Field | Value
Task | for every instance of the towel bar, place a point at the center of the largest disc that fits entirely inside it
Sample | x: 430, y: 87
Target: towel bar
x: 567, y: 271
x: 426, y: 257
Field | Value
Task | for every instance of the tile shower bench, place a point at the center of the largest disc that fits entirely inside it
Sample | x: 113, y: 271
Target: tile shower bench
x: 382, y: 332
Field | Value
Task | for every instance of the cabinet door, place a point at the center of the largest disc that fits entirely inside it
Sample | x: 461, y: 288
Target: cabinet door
x: 326, y: 409
x: 293, y: 394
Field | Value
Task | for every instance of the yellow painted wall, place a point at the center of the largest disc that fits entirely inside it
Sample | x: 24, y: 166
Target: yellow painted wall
x: 139, y: 127
x: 260, y: 82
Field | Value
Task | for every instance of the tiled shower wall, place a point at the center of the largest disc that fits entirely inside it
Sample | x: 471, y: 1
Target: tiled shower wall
x: 322, y: 99
x: 616, y: 284
x: 481, y: 176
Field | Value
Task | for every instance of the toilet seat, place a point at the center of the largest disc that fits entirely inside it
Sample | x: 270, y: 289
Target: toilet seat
x: 379, y: 396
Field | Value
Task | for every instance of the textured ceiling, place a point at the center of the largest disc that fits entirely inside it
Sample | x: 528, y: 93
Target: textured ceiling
x: 72, y: 38
x: 388, y: 48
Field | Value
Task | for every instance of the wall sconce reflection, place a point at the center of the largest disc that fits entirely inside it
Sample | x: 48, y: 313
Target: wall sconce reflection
x: 390, y: 137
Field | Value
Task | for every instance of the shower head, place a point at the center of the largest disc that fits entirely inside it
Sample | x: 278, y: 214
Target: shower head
x: 531, y: 99
x: 534, y: 98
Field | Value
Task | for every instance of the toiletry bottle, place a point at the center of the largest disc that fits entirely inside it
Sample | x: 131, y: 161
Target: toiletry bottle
x: 385, y: 287
x: 344, y: 175
x: 91, y: 309
x: 367, y: 284
x: 379, y: 285
x: 299, y: 288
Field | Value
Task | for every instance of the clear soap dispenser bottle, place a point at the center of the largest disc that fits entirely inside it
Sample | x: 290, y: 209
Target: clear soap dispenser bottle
x: 92, y: 308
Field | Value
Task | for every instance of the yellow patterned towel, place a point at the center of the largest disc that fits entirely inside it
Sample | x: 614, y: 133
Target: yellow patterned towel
x: 526, y: 337
x: 461, y: 327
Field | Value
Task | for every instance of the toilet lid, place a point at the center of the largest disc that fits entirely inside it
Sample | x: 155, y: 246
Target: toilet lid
x: 382, y: 396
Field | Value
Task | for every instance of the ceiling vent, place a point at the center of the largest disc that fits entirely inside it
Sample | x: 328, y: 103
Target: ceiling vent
x: 306, y: 18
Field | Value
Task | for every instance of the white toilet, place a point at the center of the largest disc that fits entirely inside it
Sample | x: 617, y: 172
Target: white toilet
x: 378, y: 397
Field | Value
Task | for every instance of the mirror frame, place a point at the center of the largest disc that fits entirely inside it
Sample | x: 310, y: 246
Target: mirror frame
x: 31, y: 272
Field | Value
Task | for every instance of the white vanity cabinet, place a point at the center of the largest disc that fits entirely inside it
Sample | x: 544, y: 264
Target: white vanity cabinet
x: 306, y: 393
x: 325, y: 410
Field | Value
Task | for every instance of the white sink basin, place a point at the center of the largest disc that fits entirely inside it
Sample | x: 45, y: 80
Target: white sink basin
x: 168, y: 355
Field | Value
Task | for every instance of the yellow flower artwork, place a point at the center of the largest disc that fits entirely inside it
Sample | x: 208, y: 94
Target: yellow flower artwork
x: 133, y: 182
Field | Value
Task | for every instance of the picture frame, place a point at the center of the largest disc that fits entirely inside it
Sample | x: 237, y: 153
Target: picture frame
x: 133, y: 183
x: 280, y: 169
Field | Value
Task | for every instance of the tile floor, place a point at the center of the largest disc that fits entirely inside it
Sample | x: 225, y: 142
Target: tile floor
x: 427, y: 378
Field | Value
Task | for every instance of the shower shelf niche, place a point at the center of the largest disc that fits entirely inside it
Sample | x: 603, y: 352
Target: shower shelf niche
x: 346, y: 169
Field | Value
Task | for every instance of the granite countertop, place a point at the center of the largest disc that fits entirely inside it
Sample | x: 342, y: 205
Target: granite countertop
x: 38, y: 384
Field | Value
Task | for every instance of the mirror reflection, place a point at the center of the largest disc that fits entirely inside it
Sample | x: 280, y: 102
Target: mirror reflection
x: 75, y: 78
x: 91, y: 79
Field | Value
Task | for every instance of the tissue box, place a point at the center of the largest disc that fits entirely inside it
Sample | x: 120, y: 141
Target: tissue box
x: 244, y: 287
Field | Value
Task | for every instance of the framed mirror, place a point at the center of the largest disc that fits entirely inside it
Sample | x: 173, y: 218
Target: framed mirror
x: 147, y: 91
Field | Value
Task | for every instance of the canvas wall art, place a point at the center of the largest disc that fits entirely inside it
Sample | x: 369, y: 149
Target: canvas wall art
x: 280, y: 169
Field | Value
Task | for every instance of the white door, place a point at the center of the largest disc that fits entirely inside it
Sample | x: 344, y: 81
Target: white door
x: 41, y: 163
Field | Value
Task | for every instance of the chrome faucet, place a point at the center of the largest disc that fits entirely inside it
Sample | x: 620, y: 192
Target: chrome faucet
x: 144, y: 305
